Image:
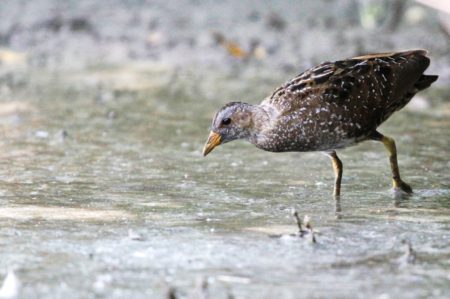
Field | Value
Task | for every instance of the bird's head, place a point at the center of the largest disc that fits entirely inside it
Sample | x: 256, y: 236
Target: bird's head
x: 233, y: 121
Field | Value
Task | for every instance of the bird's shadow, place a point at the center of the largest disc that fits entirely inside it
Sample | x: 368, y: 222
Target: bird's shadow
x: 400, y: 198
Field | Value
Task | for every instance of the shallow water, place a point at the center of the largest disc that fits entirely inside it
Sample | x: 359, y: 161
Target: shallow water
x: 104, y: 193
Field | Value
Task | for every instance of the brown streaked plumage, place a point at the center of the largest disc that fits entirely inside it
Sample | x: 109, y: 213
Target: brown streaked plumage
x: 328, y: 107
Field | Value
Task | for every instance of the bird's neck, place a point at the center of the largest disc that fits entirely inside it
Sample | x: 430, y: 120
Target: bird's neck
x: 262, y: 117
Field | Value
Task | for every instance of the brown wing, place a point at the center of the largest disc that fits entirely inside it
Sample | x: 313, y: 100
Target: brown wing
x: 374, y: 84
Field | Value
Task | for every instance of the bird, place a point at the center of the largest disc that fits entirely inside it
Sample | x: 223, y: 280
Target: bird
x: 329, y: 107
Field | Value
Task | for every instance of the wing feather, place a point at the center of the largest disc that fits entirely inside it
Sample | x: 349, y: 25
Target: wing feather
x: 375, y: 81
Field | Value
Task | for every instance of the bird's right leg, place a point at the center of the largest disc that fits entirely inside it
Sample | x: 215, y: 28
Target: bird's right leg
x: 337, y: 167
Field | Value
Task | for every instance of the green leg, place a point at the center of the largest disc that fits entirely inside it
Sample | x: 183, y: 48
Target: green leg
x: 389, y: 144
x: 337, y: 167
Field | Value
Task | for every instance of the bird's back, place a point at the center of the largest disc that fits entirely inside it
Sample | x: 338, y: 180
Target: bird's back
x: 335, y: 102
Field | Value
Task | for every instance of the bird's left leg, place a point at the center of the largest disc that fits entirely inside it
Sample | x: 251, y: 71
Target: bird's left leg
x: 337, y: 167
x: 389, y: 144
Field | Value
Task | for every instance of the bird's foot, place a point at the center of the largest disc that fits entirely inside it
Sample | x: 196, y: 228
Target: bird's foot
x: 337, y: 194
x: 401, y: 187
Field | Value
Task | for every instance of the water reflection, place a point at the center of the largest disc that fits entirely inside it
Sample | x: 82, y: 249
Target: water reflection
x: 338, y: 208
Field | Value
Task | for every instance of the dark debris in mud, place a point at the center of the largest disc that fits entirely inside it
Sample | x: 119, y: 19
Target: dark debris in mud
x: 304, y: 226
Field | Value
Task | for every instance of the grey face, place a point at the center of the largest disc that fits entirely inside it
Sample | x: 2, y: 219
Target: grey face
x: 233, y: 122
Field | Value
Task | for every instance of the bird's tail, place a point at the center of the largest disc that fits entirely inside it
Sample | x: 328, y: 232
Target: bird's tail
x: 425, y: 81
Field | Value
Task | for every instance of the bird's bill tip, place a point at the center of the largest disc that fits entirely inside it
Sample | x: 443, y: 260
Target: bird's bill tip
x: 214, y: 139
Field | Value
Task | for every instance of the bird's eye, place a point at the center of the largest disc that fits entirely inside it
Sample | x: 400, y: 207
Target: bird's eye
x: 226, y: 121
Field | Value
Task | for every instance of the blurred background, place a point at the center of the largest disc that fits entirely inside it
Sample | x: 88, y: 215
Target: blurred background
x: 272, y: 36
x: 104, y: 109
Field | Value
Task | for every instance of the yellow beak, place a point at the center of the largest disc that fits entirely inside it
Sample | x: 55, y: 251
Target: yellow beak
x: 214, y: 140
